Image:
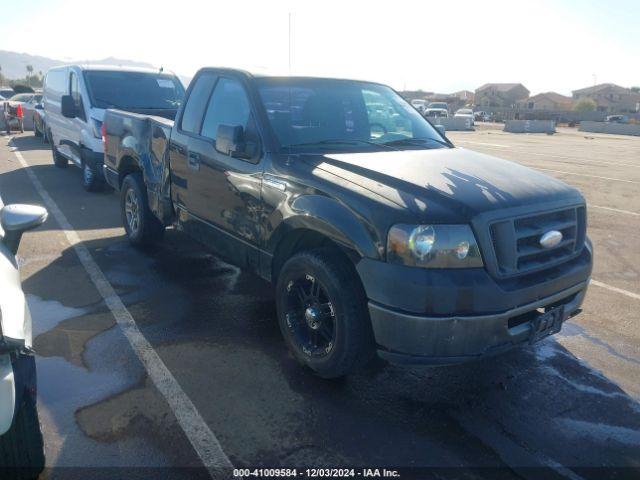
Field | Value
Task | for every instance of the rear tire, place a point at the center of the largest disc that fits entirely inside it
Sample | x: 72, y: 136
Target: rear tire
x: 22, y: 447
x: 92, y: 180
x: 59, y: 160
x: 142, y: 226
x: 338, y: 317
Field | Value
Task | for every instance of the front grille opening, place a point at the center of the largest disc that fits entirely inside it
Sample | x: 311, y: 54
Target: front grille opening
x: 523, y: 318
x: 530, y: 315
x: 516, y: 242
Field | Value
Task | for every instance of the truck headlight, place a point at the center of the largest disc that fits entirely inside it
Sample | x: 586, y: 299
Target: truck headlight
x: 433, y: 246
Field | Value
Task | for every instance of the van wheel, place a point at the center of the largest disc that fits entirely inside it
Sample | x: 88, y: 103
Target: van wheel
x: 91, y: 179
x: 322, y: 312
x: 59, y: 160
x: 22, y: 447
x: 142, y: 226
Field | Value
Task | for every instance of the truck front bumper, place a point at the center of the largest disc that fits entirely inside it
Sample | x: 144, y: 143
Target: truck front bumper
x: 422, y: 316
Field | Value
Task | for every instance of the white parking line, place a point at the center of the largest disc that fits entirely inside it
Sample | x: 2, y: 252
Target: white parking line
x: 480, y: 143
x: 611, y: 209
x: 195, y: 428
x: 563, y: 157
x: 584, y: 175
x: 615, y: 289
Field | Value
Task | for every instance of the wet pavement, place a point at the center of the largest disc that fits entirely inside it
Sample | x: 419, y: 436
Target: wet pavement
x: 569, y: 405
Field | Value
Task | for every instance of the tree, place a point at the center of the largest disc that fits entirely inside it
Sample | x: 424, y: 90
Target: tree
x: 29, y: 73
x: 635, y: 89
x: 585, y: 104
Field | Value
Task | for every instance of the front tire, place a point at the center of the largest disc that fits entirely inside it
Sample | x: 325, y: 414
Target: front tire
x: 59, y: 160
x: 91, y: 179
x: 322, y: 312
x: 22, y: 447
x: 142, y: 226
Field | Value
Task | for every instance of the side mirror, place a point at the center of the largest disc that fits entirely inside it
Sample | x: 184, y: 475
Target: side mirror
x: 17, y: 219
x: 441, y: 130
x: 68, y: 107
x: 230, y: 140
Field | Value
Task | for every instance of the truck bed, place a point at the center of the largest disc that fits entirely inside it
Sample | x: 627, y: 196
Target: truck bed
x: 136, y: 141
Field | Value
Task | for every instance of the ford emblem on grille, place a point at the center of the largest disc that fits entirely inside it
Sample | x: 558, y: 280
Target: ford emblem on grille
x: 551, y: 239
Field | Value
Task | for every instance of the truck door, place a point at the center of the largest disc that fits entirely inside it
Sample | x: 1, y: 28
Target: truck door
x: 188, y: 126
x: 224, y: 192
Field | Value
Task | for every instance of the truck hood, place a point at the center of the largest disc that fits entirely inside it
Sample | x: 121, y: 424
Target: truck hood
x: 456, y: 179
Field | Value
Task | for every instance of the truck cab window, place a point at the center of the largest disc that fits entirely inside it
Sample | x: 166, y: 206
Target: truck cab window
x: 229, y: 105
x: 196, y: 103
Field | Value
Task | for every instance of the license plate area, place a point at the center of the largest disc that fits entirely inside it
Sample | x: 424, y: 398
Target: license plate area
x: 545, y: 324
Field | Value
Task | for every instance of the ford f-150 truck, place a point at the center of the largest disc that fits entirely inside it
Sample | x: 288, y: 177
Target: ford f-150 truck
x: 379, y: 234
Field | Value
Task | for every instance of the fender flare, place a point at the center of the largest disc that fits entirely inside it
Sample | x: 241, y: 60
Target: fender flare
x: 332, y: 219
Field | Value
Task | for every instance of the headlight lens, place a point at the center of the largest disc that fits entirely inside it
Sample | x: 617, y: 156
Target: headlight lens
x: 433, y: 246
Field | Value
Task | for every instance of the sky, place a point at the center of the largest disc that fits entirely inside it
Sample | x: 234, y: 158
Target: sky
x: 442, y: 46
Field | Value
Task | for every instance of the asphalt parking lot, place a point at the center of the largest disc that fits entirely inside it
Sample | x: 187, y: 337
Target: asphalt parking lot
x: 569, y: 405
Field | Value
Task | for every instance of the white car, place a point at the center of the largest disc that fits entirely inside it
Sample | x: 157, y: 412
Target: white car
x: 21, y: 444
x: 28, y: 102
x: 76, y: 97
x: 437, y: 109
x: 419, y: 104
x: 465, y: 113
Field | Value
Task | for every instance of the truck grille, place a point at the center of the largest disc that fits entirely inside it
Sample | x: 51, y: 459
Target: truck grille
x: 516, y: 241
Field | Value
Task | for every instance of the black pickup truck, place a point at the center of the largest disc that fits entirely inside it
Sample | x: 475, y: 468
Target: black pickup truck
x: 379, y: 234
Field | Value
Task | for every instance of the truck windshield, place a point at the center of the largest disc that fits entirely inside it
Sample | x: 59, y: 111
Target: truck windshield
x: 317, y: 115
x: 112, y: 89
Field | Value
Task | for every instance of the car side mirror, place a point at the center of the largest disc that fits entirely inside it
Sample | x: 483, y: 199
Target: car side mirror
x: 16, y: 219
x: 68, y: 107
x: 441, y: 130
x: 230, y: 141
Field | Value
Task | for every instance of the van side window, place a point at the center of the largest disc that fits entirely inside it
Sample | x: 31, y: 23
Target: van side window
x: 229, y: 105
x: 55, y: 82
x: 74, y: 91
x: 196, y: 103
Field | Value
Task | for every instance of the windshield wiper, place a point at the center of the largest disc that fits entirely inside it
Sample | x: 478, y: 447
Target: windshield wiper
x: 109, y: 103
x: 414, y: 141
x: 338, y: 142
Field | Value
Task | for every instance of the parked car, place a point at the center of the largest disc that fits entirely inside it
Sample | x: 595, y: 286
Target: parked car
x: 21, y: 444
x: 397, y: 243
x: 76, y: 96
x: 6, y: 93
x: 419, y: 104
x: 617, y: 119
x: 482, y: 116
x: 465, y: 113
x: 28, y: 102
x: 437, y: 109
x: 40, y: 122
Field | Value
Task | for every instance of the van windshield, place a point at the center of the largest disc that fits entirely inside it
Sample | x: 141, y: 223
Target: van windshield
x: 320, y: 115
x: 112, y: 89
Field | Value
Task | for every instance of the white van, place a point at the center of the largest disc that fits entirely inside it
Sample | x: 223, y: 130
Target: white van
x: 76, y: 97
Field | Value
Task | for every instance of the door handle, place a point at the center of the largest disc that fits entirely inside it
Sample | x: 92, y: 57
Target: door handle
x: 194, y: 160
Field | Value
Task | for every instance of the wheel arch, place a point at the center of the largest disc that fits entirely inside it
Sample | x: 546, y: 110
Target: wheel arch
x: 127, y: 165
x: 321, y: 221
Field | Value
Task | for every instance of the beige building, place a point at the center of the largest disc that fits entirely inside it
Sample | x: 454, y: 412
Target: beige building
x: 547, y: 101
x: 610, y: 98
x: 465, y: 96
x: 502, y: 95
